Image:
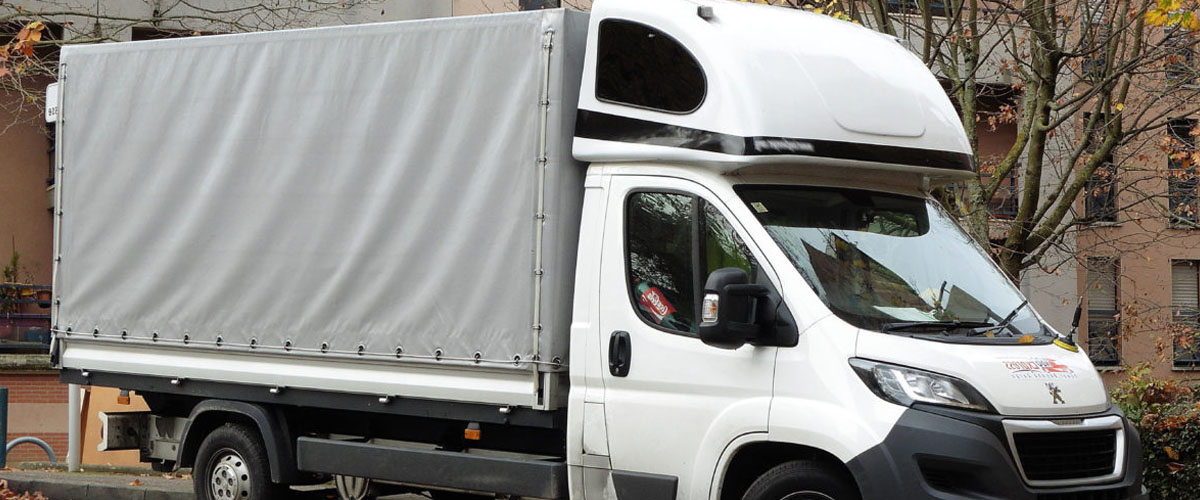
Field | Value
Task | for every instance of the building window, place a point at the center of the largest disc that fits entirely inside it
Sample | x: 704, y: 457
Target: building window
x: 539, y: 4
x: 640, y: 66
x: 1181, y: 64
x: 1003, y: 204
x: 1100, y: 192
x: 937, y: 8
x: 142, y: 33
x: 1185, y: 314
x: 1100, y: 204
x: 1093, y: 68
x: 1103, y: 324
x: 1181, y: 173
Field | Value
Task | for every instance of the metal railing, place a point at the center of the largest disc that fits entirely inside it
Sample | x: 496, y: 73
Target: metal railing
x: 21, y: 330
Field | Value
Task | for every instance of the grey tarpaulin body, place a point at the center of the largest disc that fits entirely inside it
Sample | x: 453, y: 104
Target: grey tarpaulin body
x: 314, y: 195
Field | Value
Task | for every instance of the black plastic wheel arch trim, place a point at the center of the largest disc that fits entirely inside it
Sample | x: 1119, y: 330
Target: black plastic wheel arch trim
x: 642, y: 486
x: 273, y: 431
x: 606, y: 127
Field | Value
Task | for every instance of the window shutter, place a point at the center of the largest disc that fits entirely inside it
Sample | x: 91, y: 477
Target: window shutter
x: 1184, y: 291
x: 1102, y: 285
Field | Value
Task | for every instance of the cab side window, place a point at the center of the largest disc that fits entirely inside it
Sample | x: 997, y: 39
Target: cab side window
x: 723, y: 247
x: 658, y: 235
x: 673, y: 242
x: 643, y: 67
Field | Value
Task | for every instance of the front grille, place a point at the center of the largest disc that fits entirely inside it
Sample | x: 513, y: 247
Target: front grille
x: 1050, y: 456
x: 1108, y: 494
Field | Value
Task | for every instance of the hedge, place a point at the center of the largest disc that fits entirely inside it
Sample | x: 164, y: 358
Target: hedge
x: 1167, y: 417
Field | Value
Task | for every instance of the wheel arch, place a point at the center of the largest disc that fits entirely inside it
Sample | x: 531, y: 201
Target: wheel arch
x: 750, y: 459
x: 272, y: 429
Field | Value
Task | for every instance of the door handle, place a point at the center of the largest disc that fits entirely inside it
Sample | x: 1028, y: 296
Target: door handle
x: 619, y: 353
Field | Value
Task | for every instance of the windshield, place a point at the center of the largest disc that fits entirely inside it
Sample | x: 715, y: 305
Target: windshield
x: 892, y: 263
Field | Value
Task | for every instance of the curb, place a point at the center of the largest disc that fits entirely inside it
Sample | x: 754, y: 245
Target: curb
x: 108, y: 469
x: 72, y: 489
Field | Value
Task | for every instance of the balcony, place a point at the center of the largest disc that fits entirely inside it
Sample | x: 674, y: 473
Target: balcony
x: 20, y: 329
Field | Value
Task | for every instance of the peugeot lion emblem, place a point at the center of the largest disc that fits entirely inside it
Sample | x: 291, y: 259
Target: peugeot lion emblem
x: 1055, y: 393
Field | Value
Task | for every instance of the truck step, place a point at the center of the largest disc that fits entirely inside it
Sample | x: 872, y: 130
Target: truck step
x: 522, y: 477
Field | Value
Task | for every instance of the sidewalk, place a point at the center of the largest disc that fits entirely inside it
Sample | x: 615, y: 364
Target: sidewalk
x: 123, y: 483
x: 58, y: 485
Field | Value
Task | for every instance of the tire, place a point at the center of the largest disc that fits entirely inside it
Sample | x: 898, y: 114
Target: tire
x: 232, y: 465
x: 801, y: 480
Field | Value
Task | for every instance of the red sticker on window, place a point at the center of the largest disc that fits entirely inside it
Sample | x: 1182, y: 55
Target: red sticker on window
x: 654, y: 300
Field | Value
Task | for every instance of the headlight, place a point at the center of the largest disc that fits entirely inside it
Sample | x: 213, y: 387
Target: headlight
x: 905, y: 386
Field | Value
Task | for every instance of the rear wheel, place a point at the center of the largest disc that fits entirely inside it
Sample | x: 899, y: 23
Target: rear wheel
x: 232, y: 465
x: 801, y: 480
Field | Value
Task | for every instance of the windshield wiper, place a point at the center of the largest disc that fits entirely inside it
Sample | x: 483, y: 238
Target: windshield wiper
x: 1003, y: 323
x: 944, y: 325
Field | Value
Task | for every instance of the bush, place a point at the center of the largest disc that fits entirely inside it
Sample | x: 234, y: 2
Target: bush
x: 1167, y: 416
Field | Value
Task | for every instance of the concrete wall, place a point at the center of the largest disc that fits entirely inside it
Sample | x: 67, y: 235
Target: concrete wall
x: 25, y: 219
x: 1051, y: 288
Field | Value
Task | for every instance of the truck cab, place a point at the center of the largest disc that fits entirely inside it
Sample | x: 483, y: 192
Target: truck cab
x: 780, y: 307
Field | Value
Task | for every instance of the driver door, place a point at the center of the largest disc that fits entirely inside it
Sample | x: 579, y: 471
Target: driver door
x: 672, y: 403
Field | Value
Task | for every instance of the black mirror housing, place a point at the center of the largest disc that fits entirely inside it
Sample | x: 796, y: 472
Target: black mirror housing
x: 737, y: 298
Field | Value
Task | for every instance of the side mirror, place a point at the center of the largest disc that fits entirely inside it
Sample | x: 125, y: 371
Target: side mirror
x: 727, y: 311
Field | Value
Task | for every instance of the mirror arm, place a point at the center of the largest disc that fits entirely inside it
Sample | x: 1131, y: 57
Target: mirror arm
x: 748, y: 290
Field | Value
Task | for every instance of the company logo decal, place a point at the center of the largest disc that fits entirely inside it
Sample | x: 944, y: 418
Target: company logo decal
x: 1055, y: 393
x: 1038, y: 369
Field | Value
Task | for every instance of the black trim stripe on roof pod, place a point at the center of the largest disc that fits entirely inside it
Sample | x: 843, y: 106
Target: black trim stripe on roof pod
x: 606, y: 127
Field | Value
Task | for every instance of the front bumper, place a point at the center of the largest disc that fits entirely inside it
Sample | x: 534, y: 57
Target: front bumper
x: 939, y: 453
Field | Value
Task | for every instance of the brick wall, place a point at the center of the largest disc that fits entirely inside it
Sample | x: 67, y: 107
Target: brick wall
x: 37, y: 406
x: 34, y: 388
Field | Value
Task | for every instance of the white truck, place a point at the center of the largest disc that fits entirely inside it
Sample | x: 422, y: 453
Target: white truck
x: 672, y: 249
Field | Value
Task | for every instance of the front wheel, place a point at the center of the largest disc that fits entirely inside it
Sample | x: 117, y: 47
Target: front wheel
x: 232, y: 465
x: 801, y: 480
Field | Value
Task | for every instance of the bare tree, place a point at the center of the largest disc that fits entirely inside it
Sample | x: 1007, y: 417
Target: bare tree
x: 35, y: 30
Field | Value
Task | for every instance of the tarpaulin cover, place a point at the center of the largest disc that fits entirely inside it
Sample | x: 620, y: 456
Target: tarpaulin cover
x: 338, y: 191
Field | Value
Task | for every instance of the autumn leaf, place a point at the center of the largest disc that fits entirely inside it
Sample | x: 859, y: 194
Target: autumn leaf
x: 1174, y: 467
x: 136, y: 482
x: 1174, y: 455
x: 1190, y: 22
x: 1026, y: 339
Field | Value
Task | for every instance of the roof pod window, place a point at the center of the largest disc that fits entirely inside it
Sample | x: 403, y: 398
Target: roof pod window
x: 637, y: 65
